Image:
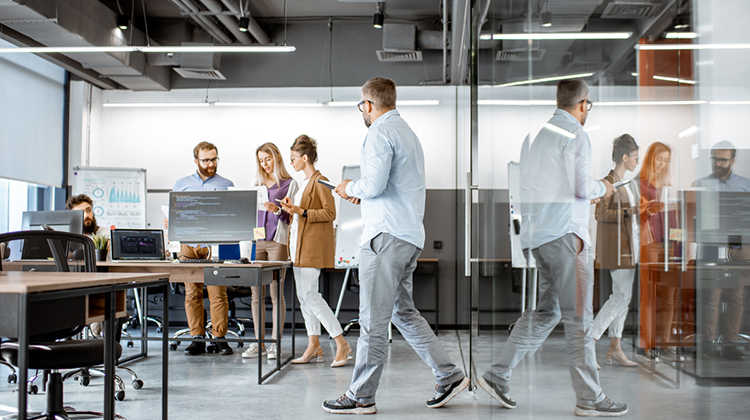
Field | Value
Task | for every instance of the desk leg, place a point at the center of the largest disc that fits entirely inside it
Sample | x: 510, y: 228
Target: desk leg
x: 165, y: 353
x: 110, y: 326
x: 23, y: 353
x: 261, y: 324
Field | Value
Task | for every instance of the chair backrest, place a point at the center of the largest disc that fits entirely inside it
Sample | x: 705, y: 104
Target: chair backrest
x: 58, y: 243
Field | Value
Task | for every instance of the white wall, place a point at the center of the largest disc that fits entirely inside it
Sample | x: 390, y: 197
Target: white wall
x: 162, y: 139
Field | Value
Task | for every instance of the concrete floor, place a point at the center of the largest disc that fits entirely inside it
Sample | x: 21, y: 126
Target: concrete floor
x: 224, y: 387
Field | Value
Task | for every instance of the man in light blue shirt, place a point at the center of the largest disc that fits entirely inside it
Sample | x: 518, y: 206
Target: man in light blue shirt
x: 205, y: 178
x: 556, y: 194
x: 392, y: 194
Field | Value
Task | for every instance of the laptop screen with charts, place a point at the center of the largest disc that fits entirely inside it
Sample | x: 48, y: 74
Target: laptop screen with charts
x: 138, y: 245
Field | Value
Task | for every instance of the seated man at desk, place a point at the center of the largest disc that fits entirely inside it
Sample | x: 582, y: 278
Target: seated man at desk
x: 85, y: 203
x: 722, y: 178
x: 206, y: 158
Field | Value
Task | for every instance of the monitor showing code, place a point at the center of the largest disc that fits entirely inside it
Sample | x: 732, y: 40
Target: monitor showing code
x: 205, y: 217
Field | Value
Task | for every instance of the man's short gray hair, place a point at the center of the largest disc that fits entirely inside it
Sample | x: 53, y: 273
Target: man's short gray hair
x: 570, y: 92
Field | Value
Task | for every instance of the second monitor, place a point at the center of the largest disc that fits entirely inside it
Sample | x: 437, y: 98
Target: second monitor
x: 212, y: 217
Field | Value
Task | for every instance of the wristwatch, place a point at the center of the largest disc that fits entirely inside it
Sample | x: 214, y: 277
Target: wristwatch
x: 304, y: 213
x: 625, y: 213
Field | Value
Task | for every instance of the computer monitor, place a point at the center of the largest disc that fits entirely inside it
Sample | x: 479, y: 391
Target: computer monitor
x: 62, y: 220
x: 212, y: 217
x: 137, y: 244
x: 722, y: 218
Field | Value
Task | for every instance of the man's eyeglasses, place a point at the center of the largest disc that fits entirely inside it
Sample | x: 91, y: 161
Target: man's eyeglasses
x: 362, y: 102
x: 720, y: 161
x: 589, y: 104
x: 205, y: 162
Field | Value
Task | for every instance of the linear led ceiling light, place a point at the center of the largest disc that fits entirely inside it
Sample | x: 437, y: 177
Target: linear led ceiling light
x: 675, y: 79
x: 559, y: 35
x: 516, y: 102
x: 153, y: 49
x: 428, y: 102
x: 669, y: 47
x: 546, y: 79
x: 681, y: 35
x: 154, y: 104
x: 270, y: 104
x: 729, y: 102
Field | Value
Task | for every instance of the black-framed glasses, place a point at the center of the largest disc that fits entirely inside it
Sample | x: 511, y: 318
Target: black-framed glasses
x: 720, y: 161
x: 293, y: 158
x: 205, y: 162
x: 636, y: 158
x: 362, y: 102
x: 589, y: 104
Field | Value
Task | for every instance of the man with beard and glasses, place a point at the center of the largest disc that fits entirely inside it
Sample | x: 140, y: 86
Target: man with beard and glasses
x: 722, y: 178
x: 392, y: 193
x: 206, y: 158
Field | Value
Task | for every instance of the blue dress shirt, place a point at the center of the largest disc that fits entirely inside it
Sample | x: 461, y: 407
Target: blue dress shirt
x: 556, y: 183
x: 733, y: 183
x: 195, y: 183
x: 392, y: 186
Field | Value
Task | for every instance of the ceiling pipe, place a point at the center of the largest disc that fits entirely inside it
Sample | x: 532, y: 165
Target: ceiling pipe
x: 230, y: 22
x: 203, y: 21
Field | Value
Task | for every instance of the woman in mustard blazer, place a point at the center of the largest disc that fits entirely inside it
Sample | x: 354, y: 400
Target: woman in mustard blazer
x: 311, y: 248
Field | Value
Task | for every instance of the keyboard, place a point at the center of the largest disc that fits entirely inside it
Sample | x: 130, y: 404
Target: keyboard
x: 199, y: 261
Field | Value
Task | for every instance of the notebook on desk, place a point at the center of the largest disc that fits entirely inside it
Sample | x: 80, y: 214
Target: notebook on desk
x: 138, y: 245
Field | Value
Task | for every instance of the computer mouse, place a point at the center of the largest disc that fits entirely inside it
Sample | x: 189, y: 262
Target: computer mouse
x: 244, y: 260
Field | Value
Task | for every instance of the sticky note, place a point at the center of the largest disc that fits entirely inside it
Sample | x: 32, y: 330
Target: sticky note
x: 675, y: 234
x: 259, y: 233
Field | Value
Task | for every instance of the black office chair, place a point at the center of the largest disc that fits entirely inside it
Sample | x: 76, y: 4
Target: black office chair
x: 46, y: 352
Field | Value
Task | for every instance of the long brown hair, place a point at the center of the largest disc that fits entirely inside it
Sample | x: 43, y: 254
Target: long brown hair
x: 648, y: 171
x: 279, y: 170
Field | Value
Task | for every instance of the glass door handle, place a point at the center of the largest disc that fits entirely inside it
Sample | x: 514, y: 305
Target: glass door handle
x: 468, y: 195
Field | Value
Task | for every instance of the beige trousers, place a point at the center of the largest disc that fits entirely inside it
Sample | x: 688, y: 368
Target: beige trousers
x: 217, y: 295
x: 269, y: 251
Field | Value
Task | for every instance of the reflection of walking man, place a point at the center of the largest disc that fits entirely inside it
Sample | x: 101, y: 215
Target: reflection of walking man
x: 392, y: 193
x: 722, y: 178
x: 556, y: 193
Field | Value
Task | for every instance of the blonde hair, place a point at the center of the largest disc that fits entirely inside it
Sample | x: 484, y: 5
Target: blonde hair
x: 279, y: 170
x: 648, y: 171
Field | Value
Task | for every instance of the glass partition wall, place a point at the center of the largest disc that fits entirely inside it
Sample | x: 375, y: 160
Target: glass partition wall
x: 668, y: 84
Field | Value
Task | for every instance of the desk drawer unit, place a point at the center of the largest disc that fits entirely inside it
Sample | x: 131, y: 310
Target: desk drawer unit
x: 235, y: 276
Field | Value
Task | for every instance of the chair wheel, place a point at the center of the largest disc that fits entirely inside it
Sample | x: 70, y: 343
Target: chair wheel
x: 242, y: 333
x: 173, y: 346
x: 85, y: 381
x: 12, y: 378
x: 211, y: 348
x: 137, y: 384
x: 120, y: 395
x: 158, y: 330
x: 130, y: 344
x: 33, y: 389
x: 240, y: 345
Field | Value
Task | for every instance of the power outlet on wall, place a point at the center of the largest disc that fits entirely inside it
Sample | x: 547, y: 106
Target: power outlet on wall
x: 437, y: 245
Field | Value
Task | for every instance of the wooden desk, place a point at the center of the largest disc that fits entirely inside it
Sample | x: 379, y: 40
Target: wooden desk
x: 257, y: 274
x: 23, y: 290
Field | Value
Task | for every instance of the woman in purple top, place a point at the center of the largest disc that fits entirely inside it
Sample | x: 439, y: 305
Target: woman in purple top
x: 273, y: 175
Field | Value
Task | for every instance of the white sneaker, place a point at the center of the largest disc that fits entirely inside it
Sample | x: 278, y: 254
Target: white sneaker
x: 272, y: 352
x: 252, y: 351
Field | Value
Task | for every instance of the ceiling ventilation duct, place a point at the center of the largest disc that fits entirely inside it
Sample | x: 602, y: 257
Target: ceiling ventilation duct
x: 399, y: 43
x: 632, y: 9
x: 200, y: 65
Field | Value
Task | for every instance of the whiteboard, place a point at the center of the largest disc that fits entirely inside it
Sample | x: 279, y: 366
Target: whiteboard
x: 349, y: 228
x: 119, y: 194
x: 514, y: 199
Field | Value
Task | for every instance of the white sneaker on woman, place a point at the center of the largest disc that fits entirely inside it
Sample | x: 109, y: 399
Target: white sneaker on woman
x: 252, y: 351
x: 272, y: 351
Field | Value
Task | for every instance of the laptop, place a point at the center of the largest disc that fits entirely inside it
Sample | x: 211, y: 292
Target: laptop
x: 138, y: 245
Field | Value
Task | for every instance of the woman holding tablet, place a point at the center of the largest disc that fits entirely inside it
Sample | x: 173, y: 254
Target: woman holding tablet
x: 273, y: 175
x: 311, y: 247
x: 617, y: 246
